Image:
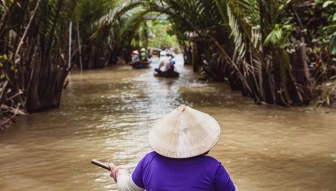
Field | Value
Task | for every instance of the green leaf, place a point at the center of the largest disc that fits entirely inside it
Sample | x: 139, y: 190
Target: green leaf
x: 325, y: 4
x: 287, y: 27
x: 278, y: 33
x: 270, y: 38
x: 332, y: 45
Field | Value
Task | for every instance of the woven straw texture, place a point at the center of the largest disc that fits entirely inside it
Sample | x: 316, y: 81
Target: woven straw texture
x: 184, y: 133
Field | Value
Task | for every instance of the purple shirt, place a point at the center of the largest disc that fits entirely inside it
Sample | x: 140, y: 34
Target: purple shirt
x: 201, y: 173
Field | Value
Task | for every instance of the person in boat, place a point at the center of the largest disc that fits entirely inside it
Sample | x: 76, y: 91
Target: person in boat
x: 162, y: 55
x: 172, y: 65
x: 170, y: 51
x: 163, y: 52
x: 135, y: 56
x: 143, y: 55
x: 165, y: 62
x: 181, y: 141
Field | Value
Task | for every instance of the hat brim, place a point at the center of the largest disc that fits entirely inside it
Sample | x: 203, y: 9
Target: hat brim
x: 184, y: 134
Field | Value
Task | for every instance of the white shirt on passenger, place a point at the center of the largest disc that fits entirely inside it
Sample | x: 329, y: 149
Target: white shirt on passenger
x: 165, y: 62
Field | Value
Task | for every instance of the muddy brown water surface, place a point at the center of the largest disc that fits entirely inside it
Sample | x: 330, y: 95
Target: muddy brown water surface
x: 107, y: 114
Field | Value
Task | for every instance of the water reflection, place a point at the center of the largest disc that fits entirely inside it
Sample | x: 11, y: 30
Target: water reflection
x: 106, y: 114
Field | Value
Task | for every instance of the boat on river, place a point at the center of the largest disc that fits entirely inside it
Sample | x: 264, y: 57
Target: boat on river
x: 140, y: 64
x: 167, y: 74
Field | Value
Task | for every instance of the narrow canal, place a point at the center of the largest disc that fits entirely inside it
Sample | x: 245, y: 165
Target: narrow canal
x: 107, y: 114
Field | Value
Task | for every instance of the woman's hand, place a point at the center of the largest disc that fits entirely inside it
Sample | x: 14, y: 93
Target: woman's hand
x: 116, y: 170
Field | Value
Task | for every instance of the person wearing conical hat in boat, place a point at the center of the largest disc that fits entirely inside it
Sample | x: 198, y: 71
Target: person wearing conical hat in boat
x: 135, y: 56
x: 179, y: 162
x: 143, y: 55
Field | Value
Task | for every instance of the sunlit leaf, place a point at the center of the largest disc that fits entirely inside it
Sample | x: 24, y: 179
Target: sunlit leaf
x: 325, y: 4
x: 332, y: 45
x: 269, y: 39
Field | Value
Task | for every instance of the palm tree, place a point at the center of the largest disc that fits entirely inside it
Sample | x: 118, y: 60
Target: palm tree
x: 106, y: 27
x: 259, y: 47
x: 33, y: 41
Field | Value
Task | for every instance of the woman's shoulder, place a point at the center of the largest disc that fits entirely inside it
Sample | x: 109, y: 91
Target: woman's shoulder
x: 209, y: 159
x: 149, y: 157
x: 151, y: 154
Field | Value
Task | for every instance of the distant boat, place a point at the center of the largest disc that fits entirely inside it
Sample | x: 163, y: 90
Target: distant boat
x: 167, y: 74
x: 140, y: 64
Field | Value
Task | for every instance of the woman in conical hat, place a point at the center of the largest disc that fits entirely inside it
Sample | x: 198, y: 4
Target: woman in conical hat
x: 135, y: 56
x: 180, y: 141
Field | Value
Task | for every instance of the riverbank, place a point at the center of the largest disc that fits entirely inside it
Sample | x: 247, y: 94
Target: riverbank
x: 327, y: 94
x: 8, y: 115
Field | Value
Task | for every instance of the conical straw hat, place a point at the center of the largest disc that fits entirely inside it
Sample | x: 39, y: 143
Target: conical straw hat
x: 184, y: 133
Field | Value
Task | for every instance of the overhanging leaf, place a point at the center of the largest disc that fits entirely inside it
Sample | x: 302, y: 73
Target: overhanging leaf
x: 271, y: 38
x: 332, y: 45
x: 325, y: 4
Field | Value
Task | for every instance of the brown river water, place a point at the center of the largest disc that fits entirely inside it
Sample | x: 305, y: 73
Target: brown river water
x: 107, y: 114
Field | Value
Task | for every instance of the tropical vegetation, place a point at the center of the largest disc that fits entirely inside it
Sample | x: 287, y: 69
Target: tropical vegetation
x: 275, y: 51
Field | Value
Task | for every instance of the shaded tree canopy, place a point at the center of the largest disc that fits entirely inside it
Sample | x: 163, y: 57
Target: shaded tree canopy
x: 275, y: 51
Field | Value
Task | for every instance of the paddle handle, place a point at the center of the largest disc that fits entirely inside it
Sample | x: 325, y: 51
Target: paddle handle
x: 100, y: 164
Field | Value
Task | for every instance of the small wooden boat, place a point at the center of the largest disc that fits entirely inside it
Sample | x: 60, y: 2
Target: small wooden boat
x: 140, y: 64
x: 167, y: 74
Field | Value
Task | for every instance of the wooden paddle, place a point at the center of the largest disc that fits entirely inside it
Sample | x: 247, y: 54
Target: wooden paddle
x: 100, y: 164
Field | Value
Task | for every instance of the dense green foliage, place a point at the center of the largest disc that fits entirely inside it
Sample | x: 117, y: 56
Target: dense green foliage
x: 275, y: 51
x: 160, y: 34
x: 35, y: 40
x: 33, y: 48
